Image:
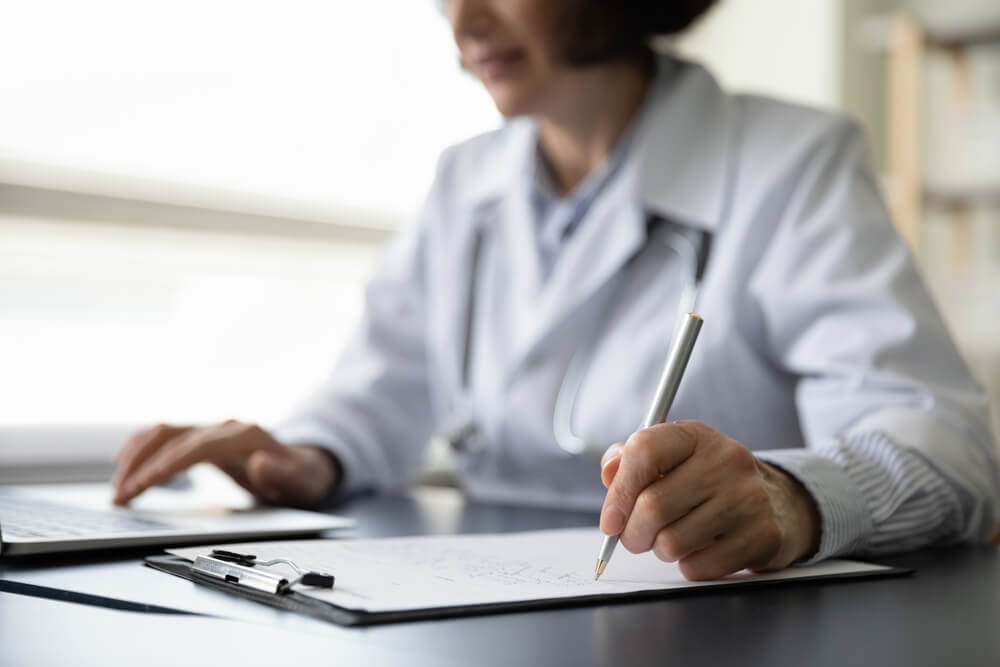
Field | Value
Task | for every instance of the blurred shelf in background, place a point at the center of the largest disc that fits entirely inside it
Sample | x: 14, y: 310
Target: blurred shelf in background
x: 963, y: 171
x: 940, y: 135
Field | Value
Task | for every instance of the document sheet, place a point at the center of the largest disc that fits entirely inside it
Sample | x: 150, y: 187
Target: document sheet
x: 427, y: 572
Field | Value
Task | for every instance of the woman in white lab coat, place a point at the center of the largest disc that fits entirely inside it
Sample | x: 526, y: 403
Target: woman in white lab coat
x: 527, y: 313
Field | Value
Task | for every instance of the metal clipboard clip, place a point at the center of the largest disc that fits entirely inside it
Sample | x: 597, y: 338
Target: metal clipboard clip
x: 241, y: 569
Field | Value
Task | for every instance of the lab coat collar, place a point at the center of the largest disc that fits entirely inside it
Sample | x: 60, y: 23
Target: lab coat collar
x: 685, y: 146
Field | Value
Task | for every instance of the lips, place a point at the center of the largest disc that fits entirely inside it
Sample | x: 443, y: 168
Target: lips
x: 497, y: 64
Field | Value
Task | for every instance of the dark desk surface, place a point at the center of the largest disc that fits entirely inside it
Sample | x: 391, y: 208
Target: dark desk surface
x: 948, y: 613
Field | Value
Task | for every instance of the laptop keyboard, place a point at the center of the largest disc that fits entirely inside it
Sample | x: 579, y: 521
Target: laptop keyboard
x: 27, y: 517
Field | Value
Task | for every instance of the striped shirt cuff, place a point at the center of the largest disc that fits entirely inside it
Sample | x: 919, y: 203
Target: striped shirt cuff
x: 846, y: 518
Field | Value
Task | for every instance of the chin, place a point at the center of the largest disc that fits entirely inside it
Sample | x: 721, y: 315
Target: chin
x: 510, y: 103
x: 511, y: 111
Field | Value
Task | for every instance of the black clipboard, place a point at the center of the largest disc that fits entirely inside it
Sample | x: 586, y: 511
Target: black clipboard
x: 294, y: 601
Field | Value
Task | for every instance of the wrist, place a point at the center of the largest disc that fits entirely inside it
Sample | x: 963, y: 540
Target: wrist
x: 324, y: 469
x: 798, y: 511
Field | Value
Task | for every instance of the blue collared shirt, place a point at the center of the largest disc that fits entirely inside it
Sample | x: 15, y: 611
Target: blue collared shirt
x: 556, y: 216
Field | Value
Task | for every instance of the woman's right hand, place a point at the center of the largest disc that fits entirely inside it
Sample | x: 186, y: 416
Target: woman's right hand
x: 275, y: 472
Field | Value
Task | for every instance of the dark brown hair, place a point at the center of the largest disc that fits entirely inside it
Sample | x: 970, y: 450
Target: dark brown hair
x: 599, y: 31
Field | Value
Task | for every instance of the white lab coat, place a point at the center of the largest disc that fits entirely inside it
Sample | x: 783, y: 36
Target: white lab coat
x: 817, y: 325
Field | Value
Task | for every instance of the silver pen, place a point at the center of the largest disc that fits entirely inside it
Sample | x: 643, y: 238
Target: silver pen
x: 673, y: 371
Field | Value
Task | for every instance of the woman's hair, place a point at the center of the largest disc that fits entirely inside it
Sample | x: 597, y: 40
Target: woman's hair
x: 599, y: 31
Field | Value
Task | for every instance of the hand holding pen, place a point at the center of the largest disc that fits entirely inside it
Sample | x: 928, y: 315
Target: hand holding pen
x: 693, y: 495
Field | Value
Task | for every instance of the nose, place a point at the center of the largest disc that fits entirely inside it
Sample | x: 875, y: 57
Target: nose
x: 468, y: 18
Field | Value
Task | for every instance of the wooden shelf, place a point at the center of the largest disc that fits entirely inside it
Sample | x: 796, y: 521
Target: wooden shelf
x: 962, y: 194
x: 908, y: 39
x: 950, y: 27
x: 938, y: 30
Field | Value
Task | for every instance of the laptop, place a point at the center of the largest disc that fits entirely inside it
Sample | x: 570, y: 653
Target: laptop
x: 58, y: 518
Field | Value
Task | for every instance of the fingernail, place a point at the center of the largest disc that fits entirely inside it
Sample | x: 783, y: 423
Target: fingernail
x: 612, y: 520
x: 613, y: 453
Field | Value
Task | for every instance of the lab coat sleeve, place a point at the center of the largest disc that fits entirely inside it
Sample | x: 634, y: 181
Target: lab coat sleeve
x: 899, y: 451
x: 373, y: 413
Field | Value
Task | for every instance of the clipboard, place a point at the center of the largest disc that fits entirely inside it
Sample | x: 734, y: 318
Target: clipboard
x: 291, y: 600
x: 292, y: 596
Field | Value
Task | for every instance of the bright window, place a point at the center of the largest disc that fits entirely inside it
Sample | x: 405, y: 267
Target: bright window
x: 334, y: 101
x: 325, y: 106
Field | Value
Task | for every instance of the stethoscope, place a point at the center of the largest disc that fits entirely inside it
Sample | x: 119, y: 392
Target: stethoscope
x: 691, y: 246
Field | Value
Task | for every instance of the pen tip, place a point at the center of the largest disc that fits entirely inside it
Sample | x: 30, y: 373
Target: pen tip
x: 599, y: 570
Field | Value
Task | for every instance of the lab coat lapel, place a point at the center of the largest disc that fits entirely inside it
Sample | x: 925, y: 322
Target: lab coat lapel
x: 594, y: 255
x: 524, y: 271
x: 680, y: 170
x: 519, y: 278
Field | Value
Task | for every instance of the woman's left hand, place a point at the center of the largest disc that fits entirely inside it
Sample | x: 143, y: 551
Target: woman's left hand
x: 693, y: 495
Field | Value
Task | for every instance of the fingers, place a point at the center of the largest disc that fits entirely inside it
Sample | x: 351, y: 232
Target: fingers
x: 298, y: 475
x: 133, y: 473
x: 610, y: 462
x: 646, y: 457
x: 226, y: 441
x: 276, y: 476
x: 706, y: 524
x: 668, y: 501
x: 718, y: 538
x: 141, y: 446
x: 246, y: 452
x: 749, y: 548
x: 219, y: 443
x: 237, y: 471
x: 713, y: 473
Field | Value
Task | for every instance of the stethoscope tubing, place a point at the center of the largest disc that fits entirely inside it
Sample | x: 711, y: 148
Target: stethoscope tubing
x: 693, y: 254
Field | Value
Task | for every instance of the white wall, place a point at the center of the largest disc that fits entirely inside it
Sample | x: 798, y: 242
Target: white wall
x: 786, y: 48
